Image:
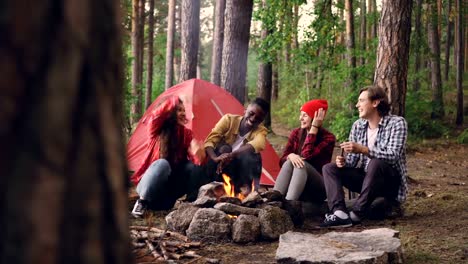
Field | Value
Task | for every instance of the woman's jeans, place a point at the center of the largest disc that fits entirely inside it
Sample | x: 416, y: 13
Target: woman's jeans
x: 162, y: 185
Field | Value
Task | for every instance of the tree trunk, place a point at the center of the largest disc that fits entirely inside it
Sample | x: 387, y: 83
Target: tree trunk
x: 275, y: 82
x: 350, y: 46
x: 448, y: 41
x: 149, y: 78
x: 393, y: 52
x: 190, y: 28
x: 417, y: 45
x: 372, y: 11
x: 177, y: 44
x: 169, y: 81
x: 137, y: 70
x: 434, y: 46
x: 238, y: 16
x: 217, y: 54
x: 460, y: 54
x: 265, y: 75
x: 363, y: 32
x: 64, y: 178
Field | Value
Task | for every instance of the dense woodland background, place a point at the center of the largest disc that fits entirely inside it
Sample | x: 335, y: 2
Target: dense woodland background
x: 414, y: 49
x: 66, y: 94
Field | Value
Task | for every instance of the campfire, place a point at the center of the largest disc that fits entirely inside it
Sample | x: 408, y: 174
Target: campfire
x: 230, y: 189
x: 221, y: 213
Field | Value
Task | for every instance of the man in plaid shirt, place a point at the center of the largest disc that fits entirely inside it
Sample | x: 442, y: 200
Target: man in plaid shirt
x: 375, y: 165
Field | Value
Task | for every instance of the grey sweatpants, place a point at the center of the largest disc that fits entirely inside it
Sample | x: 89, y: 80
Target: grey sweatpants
x: 304, y: 183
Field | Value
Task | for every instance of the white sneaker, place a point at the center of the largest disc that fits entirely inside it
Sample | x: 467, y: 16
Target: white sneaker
x: 139, y: 208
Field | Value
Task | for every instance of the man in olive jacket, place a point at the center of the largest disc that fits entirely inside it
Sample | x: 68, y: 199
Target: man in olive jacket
x: 234, y: 144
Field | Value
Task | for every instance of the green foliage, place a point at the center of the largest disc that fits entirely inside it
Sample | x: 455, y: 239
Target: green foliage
x: 463, y: 137
x: 418, y: 117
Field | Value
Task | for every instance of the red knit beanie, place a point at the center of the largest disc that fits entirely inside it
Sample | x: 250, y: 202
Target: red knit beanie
x: 312, y: 106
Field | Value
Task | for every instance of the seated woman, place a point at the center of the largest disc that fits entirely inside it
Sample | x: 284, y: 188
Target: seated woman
x: 309, y: 147
x: 168, y: 171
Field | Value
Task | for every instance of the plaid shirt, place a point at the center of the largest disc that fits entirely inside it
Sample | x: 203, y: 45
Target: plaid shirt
x: 390, y: 147
x: 317, y: 149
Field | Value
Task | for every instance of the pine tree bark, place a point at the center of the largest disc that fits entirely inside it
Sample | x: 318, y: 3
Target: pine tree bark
x: 393, y: 52
x: 417, y: 46
x: 238, y: 16
x: 137, y: 63
x: 169, y: 80
x: 218, y: 38
x: 460, y: 61
x: 64, y: 177
x: 149, y: 68
x: 190, y: 27
x: 434, y: 46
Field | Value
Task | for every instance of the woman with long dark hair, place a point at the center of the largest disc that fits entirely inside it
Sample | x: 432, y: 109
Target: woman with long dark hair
x: 168, y: 169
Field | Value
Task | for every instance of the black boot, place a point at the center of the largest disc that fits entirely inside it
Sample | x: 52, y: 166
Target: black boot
x: 294, y: 209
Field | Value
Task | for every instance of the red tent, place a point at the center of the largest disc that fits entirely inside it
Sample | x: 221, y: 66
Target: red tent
x: 205, y: 103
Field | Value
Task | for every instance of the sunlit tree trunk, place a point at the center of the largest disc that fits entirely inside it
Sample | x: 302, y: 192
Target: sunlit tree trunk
x: 217, y: 54
x: 190, y: 29
x: 63, y: 193
x: 149, y: 78
x: 448, y: 41
x: 417, y: 45
x: 363, y: 32
x: 275, y: 82
x: 393, y: 52
x: 238, y: 16
x: 137, y: 62
x: 264, y: 80
x: 350, y: 44
x: 460, y: 55
x: 372, y: 11
x: 169, y: 80
x: 177, y: 39
x: 434, y: 46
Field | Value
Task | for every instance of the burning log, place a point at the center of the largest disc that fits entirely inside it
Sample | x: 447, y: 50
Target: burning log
x: 236, y: 209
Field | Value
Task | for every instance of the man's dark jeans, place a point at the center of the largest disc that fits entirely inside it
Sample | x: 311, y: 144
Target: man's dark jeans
x: 380, y: 180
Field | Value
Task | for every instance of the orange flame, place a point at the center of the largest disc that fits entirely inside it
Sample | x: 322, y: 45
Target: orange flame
x: 228, y: 187
x: 230, y: 190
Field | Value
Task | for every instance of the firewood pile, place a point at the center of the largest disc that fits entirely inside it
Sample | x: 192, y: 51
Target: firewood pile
x: 154, y: 245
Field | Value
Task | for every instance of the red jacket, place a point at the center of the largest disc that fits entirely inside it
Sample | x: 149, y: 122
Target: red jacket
x: 157, y: 119
x: 317, y: 149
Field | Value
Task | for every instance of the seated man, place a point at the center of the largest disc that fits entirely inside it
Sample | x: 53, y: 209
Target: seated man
x: 375, y: 165
x: 234, y: 146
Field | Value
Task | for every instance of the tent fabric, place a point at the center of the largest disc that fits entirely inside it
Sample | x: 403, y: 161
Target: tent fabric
x: 205, y: 103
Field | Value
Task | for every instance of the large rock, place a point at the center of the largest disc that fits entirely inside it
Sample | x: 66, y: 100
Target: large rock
x: 274, y: 222
x: 245, y: 229
x: 370, y: 246
x: 210, y: 224
x: 179, y: 220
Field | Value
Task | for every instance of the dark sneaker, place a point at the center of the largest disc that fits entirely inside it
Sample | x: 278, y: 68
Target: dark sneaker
x: 139, y: 208
x: 333, y: 221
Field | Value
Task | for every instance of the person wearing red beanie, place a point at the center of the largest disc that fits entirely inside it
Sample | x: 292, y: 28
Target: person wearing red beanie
x: 309, y: 148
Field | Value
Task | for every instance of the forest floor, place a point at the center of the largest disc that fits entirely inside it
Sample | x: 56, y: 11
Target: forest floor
x: 434, y: 228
